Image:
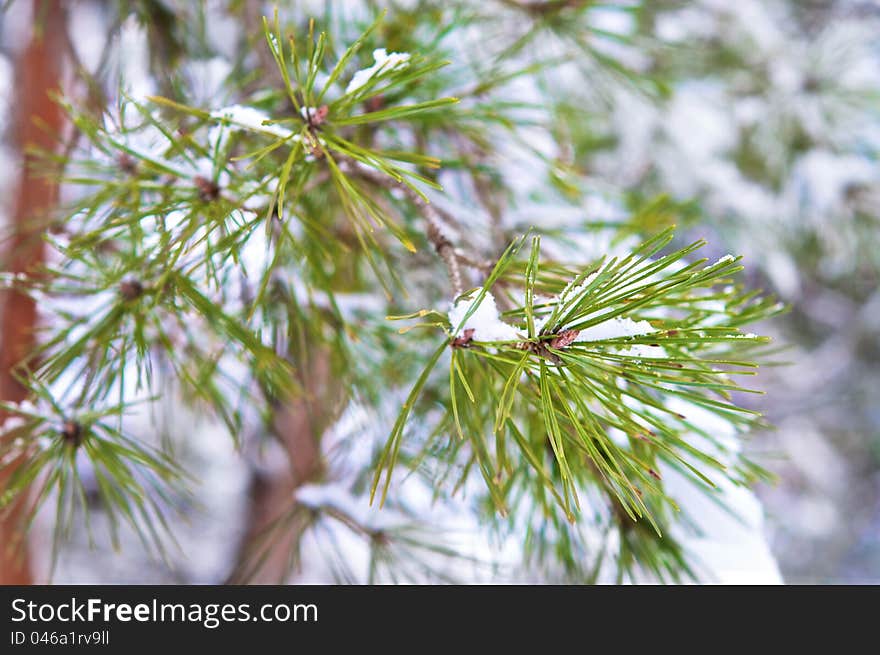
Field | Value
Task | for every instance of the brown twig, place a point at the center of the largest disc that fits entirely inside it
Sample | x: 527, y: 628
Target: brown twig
x: 484, y: 266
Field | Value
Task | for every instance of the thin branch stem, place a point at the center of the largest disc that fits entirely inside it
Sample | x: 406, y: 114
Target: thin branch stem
x: 432, y: 215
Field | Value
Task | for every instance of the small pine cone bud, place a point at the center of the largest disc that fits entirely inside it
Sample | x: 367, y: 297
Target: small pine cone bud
x: 380, y: 538
x: 317, y: 118
x: 375, y: 103
x: 564, y: 338
x: 208, y: 189
x: 127, y: 163
x: 131, y: 289
x: 72, y: 433
x: 811, y: 84
x: 464, y: 341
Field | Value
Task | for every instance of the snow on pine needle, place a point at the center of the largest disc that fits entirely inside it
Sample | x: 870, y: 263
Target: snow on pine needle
x: 221, y: 248
x: 582, y: 368
x: 483, y: 322
x: 383, y: 63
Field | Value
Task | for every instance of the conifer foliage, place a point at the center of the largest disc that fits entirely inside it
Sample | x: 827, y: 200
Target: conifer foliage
x: 363, y: 217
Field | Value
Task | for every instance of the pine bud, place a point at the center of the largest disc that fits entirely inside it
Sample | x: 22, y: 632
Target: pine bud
x: 317, y: 117
x: 208, y: 189
x: 72, y: 433
x: 131, y: 289
x: 564, y: 338
x: 127, y: 163
x: 464, y: 341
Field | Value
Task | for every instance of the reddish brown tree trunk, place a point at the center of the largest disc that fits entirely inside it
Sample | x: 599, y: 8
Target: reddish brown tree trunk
x: 275, y: 522
x: 38, y: 122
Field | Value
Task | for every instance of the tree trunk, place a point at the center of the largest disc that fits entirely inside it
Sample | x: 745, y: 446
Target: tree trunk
x: 275, y: 521
x: 37, y: 123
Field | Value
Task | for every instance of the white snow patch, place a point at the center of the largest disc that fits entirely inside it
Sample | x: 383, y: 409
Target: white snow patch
x: 249, y: 118
x: 573, y: 290
x: 384, y: 62
x: 615, y: 328
x: 730, y: 545
x: 11, y: 423
x: 485, y: 321
x: 206, y: 78
x: 642, y: 351
x: 821, y: 179
x: 307, y: 112
x: 338, y: 497
x: 134, y: 60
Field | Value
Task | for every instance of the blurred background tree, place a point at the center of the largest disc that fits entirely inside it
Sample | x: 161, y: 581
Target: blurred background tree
x: 210, y: 271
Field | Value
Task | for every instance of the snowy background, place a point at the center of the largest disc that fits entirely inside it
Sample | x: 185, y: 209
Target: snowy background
x: 770, y: 125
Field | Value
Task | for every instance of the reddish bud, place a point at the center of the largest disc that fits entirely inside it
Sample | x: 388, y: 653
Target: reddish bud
x: 127, y: 163
x: 208, y: 189
x: 131, y: 289
x: 72, y: 432
x: 464, y: 341
x: 564, y: 338
x: 375, y: 103
x: 317, y: 118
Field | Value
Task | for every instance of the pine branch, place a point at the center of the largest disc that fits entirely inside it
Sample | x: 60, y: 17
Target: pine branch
x: 235, y: 255
x: 444, y: 247
x: 598, y: 358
